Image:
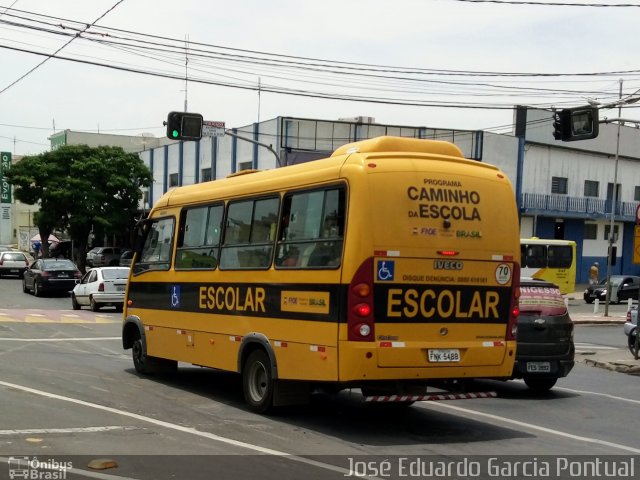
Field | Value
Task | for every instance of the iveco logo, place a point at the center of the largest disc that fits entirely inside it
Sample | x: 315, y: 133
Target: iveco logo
x: 448, y: 265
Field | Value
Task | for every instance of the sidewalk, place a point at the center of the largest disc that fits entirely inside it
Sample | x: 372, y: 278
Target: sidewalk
x: 617, y: 360
x: 621, y: 361
x: 594, y: 318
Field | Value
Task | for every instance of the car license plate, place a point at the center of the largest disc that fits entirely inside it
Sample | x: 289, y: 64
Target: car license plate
x: 444, y: 355
x: 119, y: 288
x: 538, y: 367
x: 14, y: 270
x: 63, y: 275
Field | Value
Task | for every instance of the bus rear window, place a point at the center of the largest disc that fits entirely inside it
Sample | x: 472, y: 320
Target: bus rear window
x: 541, y: 300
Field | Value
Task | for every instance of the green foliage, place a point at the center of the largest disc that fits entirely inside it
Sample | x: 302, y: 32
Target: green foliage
x: 80, y: 187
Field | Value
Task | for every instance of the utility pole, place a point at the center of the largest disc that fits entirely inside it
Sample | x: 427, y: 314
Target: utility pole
x: 614, y: 199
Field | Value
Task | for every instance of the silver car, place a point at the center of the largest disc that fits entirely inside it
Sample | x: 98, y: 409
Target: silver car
x: 13, y: 263
x: 101, y: 287
x: 103, y: 256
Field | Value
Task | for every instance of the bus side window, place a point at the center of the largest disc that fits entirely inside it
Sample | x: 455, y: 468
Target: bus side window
x: 199, y: 238
x: 560, y: 256
x: 250, y: 234
x: 156, y: 252
x: 312, y: 231
x: 536, y: 256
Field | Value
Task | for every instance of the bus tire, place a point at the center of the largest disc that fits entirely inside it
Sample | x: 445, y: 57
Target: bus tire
x: 147, y: 365
x: 257, y: 382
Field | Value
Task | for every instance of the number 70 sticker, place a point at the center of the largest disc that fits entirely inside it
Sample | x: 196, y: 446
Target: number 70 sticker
x: 503, y: 273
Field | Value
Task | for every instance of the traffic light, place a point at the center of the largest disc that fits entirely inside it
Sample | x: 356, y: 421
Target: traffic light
x: 613, y: 252
x: 578, y: 123
x: 184, y: 126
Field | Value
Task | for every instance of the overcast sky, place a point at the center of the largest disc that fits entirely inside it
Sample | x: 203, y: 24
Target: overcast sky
x: 393, y: 55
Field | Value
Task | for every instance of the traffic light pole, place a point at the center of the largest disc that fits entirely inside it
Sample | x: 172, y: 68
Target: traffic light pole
x: 255, y: 142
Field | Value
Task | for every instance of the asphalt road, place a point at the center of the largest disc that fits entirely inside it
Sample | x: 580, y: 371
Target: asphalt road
x: 69, y: 393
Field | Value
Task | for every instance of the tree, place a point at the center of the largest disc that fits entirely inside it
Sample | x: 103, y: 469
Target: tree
x: 81, y: 188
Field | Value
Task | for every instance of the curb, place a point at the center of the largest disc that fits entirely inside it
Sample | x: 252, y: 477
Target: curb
x: 613, y: 366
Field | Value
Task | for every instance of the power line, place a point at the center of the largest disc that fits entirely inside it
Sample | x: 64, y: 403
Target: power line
x: 551, y: 4
x: 58, y: 50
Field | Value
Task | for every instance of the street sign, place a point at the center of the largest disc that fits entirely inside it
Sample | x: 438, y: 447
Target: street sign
x: 212, y: 129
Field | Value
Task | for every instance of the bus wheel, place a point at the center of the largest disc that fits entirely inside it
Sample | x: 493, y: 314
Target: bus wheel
x: 257, y: 382
x: 147, y: 365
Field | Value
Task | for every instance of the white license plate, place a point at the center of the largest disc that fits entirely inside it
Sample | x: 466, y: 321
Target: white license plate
x: 538, y: 367
x: 119, y: 288
x: 444, y: 355
x: 14, y: 270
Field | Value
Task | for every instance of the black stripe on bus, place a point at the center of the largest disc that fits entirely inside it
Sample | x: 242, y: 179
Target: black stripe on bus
x: 393, y: 303
x: 246, y: 299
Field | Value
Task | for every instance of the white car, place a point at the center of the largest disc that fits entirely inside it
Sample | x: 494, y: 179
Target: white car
x: 101, y: 287
x: 13, y: 263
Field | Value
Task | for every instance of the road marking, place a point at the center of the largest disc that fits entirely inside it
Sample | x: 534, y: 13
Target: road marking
x: 593, y: 346
x: 81, y: 339
x: 608, y: 395
x: 533, y: 427
x: 27, y: 431
x: 64, y: 318
x: 183, y: 429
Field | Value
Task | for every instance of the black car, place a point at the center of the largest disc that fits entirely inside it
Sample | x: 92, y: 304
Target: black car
x: 545, y: 349
x: 622, y: 288
x: 50, y: 275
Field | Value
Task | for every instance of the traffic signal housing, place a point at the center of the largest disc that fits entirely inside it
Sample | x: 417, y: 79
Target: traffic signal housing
x: 184, y: 126
x: 578, y: 123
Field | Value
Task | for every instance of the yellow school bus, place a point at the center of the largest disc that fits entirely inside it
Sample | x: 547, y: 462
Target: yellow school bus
x: 549, y: 259
x: 387, y: 266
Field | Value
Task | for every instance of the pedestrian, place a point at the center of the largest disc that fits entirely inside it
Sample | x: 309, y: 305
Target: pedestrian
x: 594, y: 274
x: 36, y: 245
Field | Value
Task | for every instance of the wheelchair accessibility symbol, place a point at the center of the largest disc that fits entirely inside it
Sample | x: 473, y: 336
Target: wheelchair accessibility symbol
x: 175, y: 296
x: 386, y: 270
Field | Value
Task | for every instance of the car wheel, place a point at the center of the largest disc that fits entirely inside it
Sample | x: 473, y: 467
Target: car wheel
x: 24, y: 286
x: 74, y: 302
x: 37, y: 291
x: 94, y: 306
x: 588, y: 300
x: 257, y: 382
x: 540, y: 385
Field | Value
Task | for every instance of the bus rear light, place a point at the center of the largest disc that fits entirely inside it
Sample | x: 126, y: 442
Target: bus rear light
x: 448, y: 253
x: 360, y: 314
x: 363, y: 330
x: 362, y: 310
x: 514, y: 311
x: 361, y: 289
